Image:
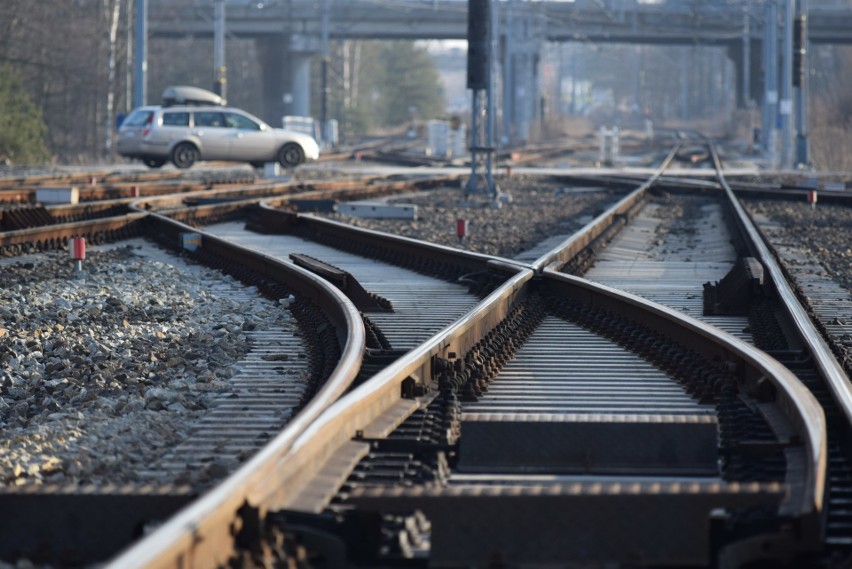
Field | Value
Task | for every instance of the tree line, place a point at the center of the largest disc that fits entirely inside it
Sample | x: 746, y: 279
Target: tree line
x: 66, y: 75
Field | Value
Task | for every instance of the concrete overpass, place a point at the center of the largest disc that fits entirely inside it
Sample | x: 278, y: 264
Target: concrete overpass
x: 288, y: 33
x: 628, y: 21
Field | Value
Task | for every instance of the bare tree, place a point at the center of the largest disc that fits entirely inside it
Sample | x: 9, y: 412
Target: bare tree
x: 112, y: 13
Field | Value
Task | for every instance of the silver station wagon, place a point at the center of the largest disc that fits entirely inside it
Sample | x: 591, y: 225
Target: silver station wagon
x: 184, y: 132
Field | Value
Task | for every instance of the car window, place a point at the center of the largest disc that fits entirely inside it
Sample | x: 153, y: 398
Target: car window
x: 138, y: 118
x: 176, y: 119
x: 209, y: 118
x: 241, y: 122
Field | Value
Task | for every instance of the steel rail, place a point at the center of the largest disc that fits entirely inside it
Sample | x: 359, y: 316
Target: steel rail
x: 838, y: 381
x: 810, y: 424
x: 357, y: 410
x: 363, y: 188
x: 330, y: 228
x: 86, y: 210
x: 619, y: 213
x: 376, y: 407
x: 232, y: 200
x: 65, y: 231
x: 382, y: 402
x: 12, y: 182
x: 201, y: 535
x: 116, y: 190
x: 797, y: 402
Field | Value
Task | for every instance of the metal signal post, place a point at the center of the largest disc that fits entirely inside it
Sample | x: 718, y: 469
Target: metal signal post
x: 801, y: 82
x: 480, y: 54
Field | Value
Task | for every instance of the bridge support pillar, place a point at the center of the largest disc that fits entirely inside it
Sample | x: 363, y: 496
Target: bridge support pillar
x: 286, y: 61
x: 300, y: 83
x: 754, y: 90
x: 523, y: 94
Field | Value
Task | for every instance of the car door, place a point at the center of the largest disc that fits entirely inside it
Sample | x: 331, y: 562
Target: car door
x: 249, y: 141
x: 174, y: 127
x: 212, y: 133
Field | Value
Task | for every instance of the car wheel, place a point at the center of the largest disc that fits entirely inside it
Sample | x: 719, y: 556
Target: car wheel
x: 291, y: 155
x: 153, y: 162
x: 184, y: 155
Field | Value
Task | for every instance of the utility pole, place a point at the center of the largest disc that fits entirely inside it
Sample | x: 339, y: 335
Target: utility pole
x: 770, y: 106
x: 508, y: 76
x: 746, y: 91
x: 141, y: 59
x: 801, y: 80
x: 786, y: 106
x: 686, y: 55
x: 324, y: 134
x: 219, y: 69
x: 636, y: 59
x: 489, y: 100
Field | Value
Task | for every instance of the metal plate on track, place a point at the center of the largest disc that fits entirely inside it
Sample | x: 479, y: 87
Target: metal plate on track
x: 583, y: 443
x: 663, y: 523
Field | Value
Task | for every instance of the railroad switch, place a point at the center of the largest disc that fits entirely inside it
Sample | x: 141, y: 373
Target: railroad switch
x: 363, y: 299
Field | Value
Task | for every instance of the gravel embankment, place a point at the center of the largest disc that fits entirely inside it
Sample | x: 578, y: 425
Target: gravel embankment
x: 540, y: 208
x: 824, y: 231
x: 99, y: 376
x: 817, y: 236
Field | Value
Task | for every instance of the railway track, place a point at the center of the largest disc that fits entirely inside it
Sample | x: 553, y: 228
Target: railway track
x: 280, y: 376
x: 266, y: 396
x: 433, y: 461
x: 97, y: 186
x: 438, y: 419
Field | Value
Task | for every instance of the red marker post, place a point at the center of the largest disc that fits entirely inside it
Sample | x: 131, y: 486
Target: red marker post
x: 461, y: 229
x: 77, y: 248
x: 812, y: 198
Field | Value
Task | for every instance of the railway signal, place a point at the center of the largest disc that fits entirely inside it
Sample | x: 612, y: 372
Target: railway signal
x: 77, y: 249
x: 800, y: 49
x: 461, y: 229
x: 481, y: 22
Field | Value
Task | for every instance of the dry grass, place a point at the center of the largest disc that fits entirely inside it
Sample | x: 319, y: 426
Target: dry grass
x: 831, y: 148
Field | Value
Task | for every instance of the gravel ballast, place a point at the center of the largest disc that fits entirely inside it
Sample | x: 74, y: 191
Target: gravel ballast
x: 100, y: 375
x: 825, y: 231
x: 815, y: 244
x: 539, y: 209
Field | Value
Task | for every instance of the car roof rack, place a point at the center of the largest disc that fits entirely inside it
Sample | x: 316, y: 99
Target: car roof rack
x: 188, y: 95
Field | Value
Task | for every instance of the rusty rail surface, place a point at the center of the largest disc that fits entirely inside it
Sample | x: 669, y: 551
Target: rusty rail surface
x: 56, y: 236
x: 69, y: 178
x: 119, y: 190
x: 77, y: 220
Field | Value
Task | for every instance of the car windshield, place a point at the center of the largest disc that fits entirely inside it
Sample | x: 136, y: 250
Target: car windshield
x: 138, y: 118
